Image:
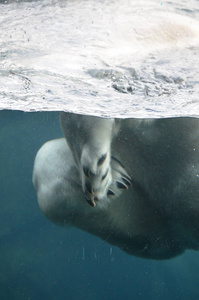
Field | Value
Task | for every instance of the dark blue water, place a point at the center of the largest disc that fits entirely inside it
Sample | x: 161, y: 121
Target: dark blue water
x: 39, y: 260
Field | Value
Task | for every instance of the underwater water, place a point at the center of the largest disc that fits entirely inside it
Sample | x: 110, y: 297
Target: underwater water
x: 47, y: 65
x: 39, y: 260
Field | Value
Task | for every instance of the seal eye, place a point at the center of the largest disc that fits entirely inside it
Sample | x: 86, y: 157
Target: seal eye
x: 102, y: 159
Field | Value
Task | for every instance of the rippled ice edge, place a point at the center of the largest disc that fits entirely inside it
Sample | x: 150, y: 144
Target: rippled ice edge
x: 116, y: 58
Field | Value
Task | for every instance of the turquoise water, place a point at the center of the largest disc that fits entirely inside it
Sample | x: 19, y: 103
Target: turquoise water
x: 39, y: 260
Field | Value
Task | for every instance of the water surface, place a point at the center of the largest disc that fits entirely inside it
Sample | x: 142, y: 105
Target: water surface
x: 107, y: 58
